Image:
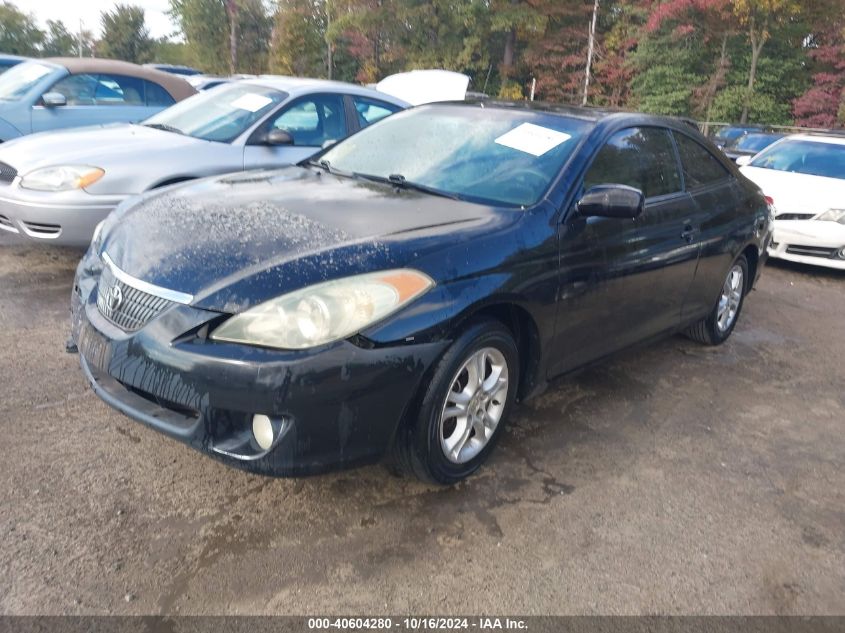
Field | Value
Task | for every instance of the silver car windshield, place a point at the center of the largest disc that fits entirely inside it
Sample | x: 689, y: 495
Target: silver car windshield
x: 17, y: 81
x: 221, y: 114
x: 503, y: 156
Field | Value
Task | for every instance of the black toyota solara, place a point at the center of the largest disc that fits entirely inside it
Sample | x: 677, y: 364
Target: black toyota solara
x: 395, y: 295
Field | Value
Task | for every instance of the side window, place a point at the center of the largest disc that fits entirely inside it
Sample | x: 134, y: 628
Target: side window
x: 643, y: 158
x: 77, y: 89
x: 314, y: 120
x: 119, y: 90
x: 700, y: 166
x: 371, y: 110
x: 156, y: 95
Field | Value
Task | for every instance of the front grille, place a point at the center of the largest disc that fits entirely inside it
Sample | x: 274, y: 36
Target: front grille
x: 795, y: 216
x: 7, y: 173
x: 812, y: 251
x: 127, y: 307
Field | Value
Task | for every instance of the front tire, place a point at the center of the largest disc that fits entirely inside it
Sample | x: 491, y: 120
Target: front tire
x: 463, y: 409
x: 719, y: 324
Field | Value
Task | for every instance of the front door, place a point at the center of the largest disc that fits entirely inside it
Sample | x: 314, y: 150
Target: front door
x: 623, y: 280
x: 312, y: 121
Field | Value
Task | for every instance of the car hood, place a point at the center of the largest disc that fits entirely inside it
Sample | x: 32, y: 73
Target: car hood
x: 233, y: 241
x: 798, y: 193
x: 99, y: 146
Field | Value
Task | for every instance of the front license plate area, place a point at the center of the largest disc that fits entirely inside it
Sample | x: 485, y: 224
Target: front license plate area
x: 95, y: 347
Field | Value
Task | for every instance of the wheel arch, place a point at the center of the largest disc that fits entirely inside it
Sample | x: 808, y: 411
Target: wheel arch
x: 525, y: 332
x: 171, y: 181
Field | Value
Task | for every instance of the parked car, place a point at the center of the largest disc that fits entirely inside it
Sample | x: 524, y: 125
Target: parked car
x: 7, y: 61
x: 398, y: 292
x: 205, y: 82
x: 750, y: 144
x: 728, y: 133
x: 804, y: 175
x: 57, y: 187
x: 48, y: 94
x: 175, y: 69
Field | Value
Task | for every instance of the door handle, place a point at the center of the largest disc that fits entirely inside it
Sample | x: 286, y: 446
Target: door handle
x: 688, y: 233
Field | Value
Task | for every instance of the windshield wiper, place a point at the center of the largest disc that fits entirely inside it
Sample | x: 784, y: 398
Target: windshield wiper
x: 165, y: 127
x: 327, y: 167
x: 398, y: 180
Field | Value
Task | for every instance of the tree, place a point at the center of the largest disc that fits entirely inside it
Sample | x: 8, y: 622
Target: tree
x: 298, y: 45
x: 125, y: 34
x: 205, y: 27
x: 19, y: 34
x: 759, y: 17
x: 59, y: 41
x: 208, y: 28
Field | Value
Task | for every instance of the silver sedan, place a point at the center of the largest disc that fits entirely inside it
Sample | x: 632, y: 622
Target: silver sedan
x: 56, y: 187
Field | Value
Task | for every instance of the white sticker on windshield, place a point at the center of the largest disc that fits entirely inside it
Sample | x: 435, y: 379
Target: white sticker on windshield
x: 251, y: 102
x: 532, y: 139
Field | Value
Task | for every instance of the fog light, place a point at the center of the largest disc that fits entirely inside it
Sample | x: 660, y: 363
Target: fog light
x: 842, y: 253
x: 262, y: 430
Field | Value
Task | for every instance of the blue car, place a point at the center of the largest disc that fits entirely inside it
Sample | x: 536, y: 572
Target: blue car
x: 48, y: 94
x: 7, y: 61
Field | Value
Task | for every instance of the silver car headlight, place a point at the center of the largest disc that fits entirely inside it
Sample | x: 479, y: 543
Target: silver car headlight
x: 324, y: 312
x: 61, y: 178
x: 833, y: 215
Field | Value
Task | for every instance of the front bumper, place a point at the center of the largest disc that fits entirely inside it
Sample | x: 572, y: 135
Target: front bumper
x: 814, y: 242
x: 336, y: 406
x: 65, y: 218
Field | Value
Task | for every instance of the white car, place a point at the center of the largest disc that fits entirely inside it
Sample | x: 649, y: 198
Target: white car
x: 804, y: 175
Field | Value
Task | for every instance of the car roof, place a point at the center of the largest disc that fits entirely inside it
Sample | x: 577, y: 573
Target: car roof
x: 10, y: 56
x: 833, y: 139
x: 301, y: 85
x: 587, y: 113
x: 177, y: 87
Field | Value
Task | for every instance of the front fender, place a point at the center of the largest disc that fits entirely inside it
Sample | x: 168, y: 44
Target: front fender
x: 8, y: 131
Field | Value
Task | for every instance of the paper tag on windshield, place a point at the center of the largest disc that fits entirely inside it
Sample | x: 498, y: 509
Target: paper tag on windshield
x: 251, y: 102
x: 532, y: 139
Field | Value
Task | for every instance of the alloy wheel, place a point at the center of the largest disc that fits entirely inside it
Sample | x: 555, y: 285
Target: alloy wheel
x: 474, y: 405
x: 730, y: 298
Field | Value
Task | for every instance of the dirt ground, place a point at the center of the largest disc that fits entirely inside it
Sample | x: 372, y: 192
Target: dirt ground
x: 672, y: 479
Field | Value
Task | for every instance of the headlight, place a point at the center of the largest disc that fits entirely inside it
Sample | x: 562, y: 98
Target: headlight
x: 833, y: 215
x: 324, y: 312
x: 62, y: 178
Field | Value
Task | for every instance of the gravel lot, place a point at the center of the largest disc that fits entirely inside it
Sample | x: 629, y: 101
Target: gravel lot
x: 673, y: 479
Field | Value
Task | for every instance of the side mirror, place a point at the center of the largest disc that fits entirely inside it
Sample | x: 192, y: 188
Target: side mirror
x: 277, y: 136
x: 612, y: 201
x: 743, y: 160
x: 53, y: 99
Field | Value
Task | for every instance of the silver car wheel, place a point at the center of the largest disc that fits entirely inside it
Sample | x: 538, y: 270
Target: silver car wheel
x: 474, y: 405
x: 730, y: 298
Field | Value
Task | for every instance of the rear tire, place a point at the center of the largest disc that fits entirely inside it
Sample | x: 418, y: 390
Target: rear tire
x: 462, y: 411
x: 719, y: 324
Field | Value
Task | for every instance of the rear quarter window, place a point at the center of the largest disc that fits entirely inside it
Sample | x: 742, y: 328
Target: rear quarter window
x: 700, y: 166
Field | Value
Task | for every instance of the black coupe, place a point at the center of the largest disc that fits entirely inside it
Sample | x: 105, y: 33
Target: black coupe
x: 398, y: 293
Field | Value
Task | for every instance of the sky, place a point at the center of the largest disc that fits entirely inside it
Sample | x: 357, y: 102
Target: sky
x: 70, y: 12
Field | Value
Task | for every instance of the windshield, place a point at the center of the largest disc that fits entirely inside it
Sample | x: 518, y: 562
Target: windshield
x: 496, y: 155
x: 755, y: 141
x: 815, y: 158
x: 220, y: 115
x: 18, y: 80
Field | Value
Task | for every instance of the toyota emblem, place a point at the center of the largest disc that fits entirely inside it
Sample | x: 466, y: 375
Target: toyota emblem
x: 115, y: 298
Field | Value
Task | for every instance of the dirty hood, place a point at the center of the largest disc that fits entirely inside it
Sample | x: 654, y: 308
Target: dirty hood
x: 232, y: 241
